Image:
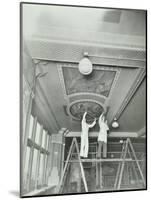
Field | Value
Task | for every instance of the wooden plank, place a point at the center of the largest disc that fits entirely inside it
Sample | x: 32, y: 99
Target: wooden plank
x: 112, y: 134
x: 38, y: 158
x: 102, y: 160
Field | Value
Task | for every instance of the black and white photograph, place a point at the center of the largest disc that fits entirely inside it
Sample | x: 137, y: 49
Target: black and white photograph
x: 83, y: 99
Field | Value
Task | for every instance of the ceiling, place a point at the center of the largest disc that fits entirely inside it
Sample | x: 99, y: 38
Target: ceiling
x: 56, y: 38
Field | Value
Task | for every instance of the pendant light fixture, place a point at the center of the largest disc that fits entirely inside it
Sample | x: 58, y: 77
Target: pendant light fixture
x: 85, y: 65
x: 115, y: 124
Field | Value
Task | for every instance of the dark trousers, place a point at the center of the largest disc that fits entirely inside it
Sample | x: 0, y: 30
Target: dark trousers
x: 104, y: 146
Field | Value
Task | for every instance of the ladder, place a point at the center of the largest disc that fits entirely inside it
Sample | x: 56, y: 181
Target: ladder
x: 127, y: 146
x: 74, y: 145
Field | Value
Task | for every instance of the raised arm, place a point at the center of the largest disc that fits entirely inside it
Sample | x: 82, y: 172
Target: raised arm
x: 91, y: 125
x: 83, y: 119
x: 107, y: 127
x: 100, y: 118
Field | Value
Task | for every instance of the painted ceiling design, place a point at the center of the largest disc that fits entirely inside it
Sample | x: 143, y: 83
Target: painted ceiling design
x: 67, y: 110
x: 99, y: 81
x: 93, y: 109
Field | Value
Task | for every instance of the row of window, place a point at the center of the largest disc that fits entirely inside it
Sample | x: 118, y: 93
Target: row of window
x: 36, y: 157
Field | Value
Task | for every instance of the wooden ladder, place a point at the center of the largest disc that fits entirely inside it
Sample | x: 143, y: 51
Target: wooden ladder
x: 127, y: 146
x: 74, y: 145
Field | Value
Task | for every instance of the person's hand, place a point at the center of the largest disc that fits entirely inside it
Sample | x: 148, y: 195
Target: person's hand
x: 102, y: 114
x: 85, y: 113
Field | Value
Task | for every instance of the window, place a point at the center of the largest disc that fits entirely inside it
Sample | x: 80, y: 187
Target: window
x: 31, y: 126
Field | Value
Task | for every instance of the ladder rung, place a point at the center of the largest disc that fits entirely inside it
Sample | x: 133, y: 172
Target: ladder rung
x: 101, y: 160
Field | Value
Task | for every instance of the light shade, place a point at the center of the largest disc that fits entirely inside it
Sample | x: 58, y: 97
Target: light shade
x: 85, y: 66
x: 115, y: 124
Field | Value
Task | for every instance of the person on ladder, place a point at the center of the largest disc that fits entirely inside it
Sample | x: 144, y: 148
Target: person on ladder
x: 84, y: 136
x: 102, y: 136
x: 102, y: 144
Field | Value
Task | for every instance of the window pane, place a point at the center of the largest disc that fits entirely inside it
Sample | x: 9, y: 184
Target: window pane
x: 33, y: 178
x: 31, y: 126
x: 27, y: 160
x: 47, y: 142
x: 37, y: 133
x: 40, y: 177
x: 43, y: 138
x: 24, y: 121
x: 25, y: 174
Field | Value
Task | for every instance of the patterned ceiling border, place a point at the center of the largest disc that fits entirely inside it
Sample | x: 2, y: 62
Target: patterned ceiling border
x: 108, y: 55
x: 105, y: 68
x: 86, y: 96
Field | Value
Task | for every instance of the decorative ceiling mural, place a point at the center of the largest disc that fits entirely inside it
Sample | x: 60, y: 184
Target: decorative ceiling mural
x: 99, y: 81
x: 85, y: 93
x: 93, y: 109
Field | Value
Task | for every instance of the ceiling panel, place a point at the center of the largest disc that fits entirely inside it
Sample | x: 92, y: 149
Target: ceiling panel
x: 114, y: 39
x: 59, y: 111
x: 134, y: 116
x: 38, y: 19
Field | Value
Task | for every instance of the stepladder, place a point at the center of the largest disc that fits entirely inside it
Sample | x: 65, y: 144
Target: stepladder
x: 128, y: 150
x: 74, y: 149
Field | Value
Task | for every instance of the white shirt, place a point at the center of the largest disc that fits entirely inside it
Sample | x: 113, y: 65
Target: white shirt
x: 102, y: 136
x: 85, y: 127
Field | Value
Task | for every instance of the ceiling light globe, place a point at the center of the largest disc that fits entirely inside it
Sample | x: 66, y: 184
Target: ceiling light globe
x: 115, y: 124
x: 85, y: 66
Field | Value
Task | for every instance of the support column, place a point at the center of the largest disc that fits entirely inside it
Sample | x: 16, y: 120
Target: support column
x: 57, y: 157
